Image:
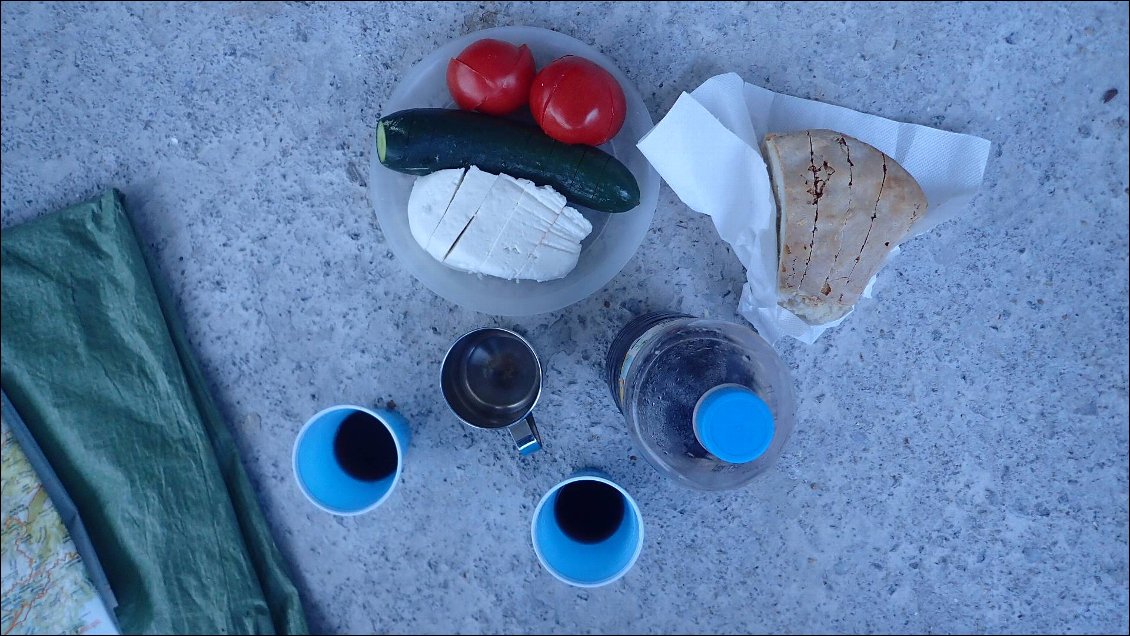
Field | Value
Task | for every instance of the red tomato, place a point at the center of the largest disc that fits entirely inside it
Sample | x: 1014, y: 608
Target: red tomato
x: 491, y: 76
x: 577, y: 102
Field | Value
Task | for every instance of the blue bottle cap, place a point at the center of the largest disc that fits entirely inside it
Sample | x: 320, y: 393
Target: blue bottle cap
x: 733, y: 423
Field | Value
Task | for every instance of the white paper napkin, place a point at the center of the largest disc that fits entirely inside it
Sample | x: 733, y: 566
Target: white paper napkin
x: 707, y: 148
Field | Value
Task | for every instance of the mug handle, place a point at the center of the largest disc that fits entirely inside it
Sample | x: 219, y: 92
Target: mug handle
x: 526, y: 436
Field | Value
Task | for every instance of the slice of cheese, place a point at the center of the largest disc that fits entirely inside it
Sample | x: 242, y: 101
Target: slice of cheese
x: 545, y: 195
x: 521, y: 236
x: 541, y: 239
x: 536, y: 212
x: 472, y: 193
x: 571, y: 225
x: 549, y: 263
x: 555, y: 240
x: 561, y: 243
x: 488, y: 223
x: 431, y: 194
x: 559, y: 249
x: 496, y: 225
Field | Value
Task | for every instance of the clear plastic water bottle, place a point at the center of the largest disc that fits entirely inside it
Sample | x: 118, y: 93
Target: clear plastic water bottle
x: 708, y: 402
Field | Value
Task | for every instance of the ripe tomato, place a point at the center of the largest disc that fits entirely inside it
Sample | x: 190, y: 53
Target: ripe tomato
x: 491, y: 76
x: 577, y: 102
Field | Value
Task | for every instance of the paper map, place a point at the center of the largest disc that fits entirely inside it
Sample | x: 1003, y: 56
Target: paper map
x: 46, y: 589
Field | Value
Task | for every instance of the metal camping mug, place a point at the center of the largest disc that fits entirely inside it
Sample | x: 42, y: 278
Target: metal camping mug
x: 491, y: 378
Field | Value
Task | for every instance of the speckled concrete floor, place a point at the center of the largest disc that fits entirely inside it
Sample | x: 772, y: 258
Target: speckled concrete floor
x: 960, y: 459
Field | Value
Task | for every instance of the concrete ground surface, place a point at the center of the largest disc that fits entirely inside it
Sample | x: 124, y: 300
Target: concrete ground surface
x: 960, y: 457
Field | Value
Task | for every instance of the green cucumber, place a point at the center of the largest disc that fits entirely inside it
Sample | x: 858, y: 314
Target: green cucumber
x: 421, y: 141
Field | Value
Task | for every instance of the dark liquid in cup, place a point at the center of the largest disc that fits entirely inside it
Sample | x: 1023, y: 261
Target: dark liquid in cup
x: 502, y: 372
x: 589, y: 511
x: 365, y: 448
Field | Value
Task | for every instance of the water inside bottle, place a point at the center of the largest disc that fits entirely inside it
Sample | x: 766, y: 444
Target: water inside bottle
x: 659, y: 367
x: 675, y: 382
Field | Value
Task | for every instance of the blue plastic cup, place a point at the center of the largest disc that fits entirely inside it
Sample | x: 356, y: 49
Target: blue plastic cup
x: 580, y: 563
x: 322, y: 478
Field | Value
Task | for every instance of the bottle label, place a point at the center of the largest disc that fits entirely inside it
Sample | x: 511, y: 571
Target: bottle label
x: 644, y: 340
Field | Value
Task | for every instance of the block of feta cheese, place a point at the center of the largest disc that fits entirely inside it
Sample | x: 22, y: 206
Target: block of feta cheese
x: 496, y: 225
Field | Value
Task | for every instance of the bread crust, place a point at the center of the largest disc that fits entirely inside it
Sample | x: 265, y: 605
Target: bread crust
x: 843, y: 206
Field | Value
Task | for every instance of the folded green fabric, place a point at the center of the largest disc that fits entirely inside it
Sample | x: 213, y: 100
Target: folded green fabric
x: 95, y: 361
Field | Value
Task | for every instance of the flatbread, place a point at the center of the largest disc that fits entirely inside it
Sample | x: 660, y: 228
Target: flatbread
x: 843, y: 206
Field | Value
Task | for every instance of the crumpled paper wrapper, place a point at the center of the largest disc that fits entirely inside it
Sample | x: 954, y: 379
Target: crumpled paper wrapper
x: 707, y: 148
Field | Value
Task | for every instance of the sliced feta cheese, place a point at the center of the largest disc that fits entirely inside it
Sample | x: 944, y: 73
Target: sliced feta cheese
x: 559, y: 249
x: 537, y: 209
x: 513, y: 249
x: 475, y: 242
x: 572, y: 225
x: 553, y: 239
x: 548, y: 197
x: 549, y: 262
x: 553, y: 257
x: 530, y: 252
x: 568, y: 223
x: 471, y: 194
x: 497, y: 225
x: 431, y: 194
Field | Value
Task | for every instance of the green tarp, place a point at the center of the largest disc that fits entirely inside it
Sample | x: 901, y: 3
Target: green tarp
x: 95, y: 362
